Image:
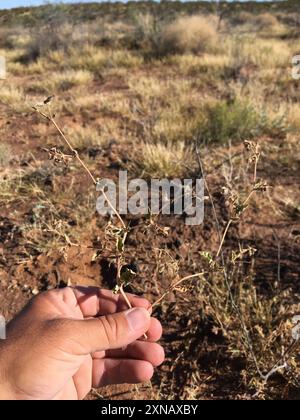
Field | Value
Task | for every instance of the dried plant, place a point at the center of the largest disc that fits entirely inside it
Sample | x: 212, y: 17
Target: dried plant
x: 119, y: 234
x: 59, y: 157
x: 217, y: 264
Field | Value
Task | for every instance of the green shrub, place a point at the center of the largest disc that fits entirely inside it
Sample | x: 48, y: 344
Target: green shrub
x: 237, y: 121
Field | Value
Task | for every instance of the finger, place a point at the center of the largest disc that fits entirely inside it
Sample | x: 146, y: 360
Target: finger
x: 119, y: 371
x: 154, y: 333
x: 139, y: 350
x: 96, y: 302
x: 114, y: 331
x: 82, y: 378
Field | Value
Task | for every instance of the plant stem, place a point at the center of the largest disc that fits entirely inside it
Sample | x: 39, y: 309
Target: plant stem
x: 75, y: 153
x: 174, y: 285
x: 128, y: 304
x: 224, y: 237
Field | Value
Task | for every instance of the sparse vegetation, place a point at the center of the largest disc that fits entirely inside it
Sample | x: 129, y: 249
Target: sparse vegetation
x: 47, y: 39
x: 62, y: 81
x: 162, y: 90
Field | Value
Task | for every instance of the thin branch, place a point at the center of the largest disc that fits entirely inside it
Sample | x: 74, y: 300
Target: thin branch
x: 224, y: 237
x: 208, y: 191
x: 174, y: 285
x: 128, y: 303
x: 76, y: 155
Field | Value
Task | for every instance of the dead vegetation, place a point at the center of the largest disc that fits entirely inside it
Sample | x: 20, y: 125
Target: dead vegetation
x: 174, y: 95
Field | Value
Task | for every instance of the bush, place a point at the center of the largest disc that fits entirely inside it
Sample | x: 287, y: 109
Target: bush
x: 237, y: 121
x: 6, y: 38
x: 194, y: 34
x: 242, y: 18
x: 146, y: 33
x: 45, y: 40
x: 266, y: 21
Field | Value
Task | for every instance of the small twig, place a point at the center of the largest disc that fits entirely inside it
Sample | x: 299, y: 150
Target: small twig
x: 76, y: 155
x: 224, y: 237
x: 124, y: 296
x: 208, y: 190
x: 128, y: 303
x: 278, y: 256
x: 248, y: 198
x: 174, y: 285
x: 255, y: 170
x: 114, y: 209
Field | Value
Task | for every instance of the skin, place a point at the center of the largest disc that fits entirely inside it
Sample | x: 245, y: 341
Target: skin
x: 67, y: 341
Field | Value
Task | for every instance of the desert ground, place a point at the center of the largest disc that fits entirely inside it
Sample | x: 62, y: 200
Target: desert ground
x: 162, y: 90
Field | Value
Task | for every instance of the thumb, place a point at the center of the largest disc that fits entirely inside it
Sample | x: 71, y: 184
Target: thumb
x: 110, y: 331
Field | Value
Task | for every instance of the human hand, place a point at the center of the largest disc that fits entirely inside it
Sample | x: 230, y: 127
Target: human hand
x: 67, y: 341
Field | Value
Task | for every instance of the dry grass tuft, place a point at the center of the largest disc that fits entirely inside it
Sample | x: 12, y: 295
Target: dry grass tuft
x: 247, y: 52
x: 89, y: 137
x: 170, y: 161
x: 13, y: 97
x: 195, y: 34
x: 93, y: 59
x: 193, y: 65
x: 62, y: 81
x: 84, y: 138
x: 69, y: 79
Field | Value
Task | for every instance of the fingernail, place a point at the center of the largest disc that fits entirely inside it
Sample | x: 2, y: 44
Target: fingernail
x: 137, y: 318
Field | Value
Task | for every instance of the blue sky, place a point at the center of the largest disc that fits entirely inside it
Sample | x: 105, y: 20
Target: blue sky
x: 5, y: 4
